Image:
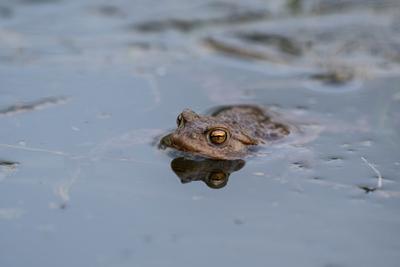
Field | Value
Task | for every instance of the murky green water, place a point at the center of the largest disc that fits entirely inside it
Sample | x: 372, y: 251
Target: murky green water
x: 87, y: 88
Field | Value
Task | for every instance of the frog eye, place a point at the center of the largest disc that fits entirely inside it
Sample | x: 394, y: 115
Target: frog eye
x: 218, y: 136
x: 217, y: 179
x: 179, y: 120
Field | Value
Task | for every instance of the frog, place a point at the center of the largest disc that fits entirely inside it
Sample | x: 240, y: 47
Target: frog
x: 226, y: 133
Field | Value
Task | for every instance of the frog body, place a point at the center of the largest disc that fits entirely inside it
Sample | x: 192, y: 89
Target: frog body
x: 229, y: 132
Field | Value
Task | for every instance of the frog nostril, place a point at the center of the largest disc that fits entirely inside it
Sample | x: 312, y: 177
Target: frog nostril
x: 166, y: 141
x: 189, y: 116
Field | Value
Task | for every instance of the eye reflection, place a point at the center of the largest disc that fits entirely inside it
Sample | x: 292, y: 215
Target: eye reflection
x: 214, y: 173
x: 217, y: 179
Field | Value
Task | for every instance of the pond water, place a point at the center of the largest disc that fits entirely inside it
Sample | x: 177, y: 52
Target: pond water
x: 88, y: 87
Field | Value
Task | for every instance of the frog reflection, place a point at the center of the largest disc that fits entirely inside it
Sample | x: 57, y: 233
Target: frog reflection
x: 215, y: 173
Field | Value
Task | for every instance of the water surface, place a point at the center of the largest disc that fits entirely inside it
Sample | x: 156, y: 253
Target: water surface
x: 87, y: 87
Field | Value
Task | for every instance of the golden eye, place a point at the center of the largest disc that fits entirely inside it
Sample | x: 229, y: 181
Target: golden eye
x: 217, y: 176
x: 179, y: 120
x: 218, y: 136
x: 217, y: 179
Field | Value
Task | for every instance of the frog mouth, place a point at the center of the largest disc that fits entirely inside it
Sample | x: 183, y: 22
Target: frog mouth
x: 173, y: 142
x: 182, y: 145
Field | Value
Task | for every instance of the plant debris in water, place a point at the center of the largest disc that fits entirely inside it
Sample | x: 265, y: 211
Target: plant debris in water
x: 334, y: 77
x: 109, y: 11
x: 367, y: 189
x: 187, y: 25
x: 235, y: 51
x: 8, y: 163
x: 31, y: 106
x: 284, y: 44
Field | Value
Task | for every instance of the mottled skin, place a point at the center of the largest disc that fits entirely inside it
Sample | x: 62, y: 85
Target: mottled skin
x: 245, y: 127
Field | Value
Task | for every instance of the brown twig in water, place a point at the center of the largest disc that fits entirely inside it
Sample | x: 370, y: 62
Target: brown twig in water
x: 34, y: 105
x: 236, y: 51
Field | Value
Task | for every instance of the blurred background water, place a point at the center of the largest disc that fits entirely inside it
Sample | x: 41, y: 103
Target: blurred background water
x: 87, y: 87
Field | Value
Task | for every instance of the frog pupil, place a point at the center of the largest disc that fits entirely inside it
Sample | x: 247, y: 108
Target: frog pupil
x: 218, y: 136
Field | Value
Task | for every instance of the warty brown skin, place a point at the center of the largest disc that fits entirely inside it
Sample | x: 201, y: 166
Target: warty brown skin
x: 227, y: 133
